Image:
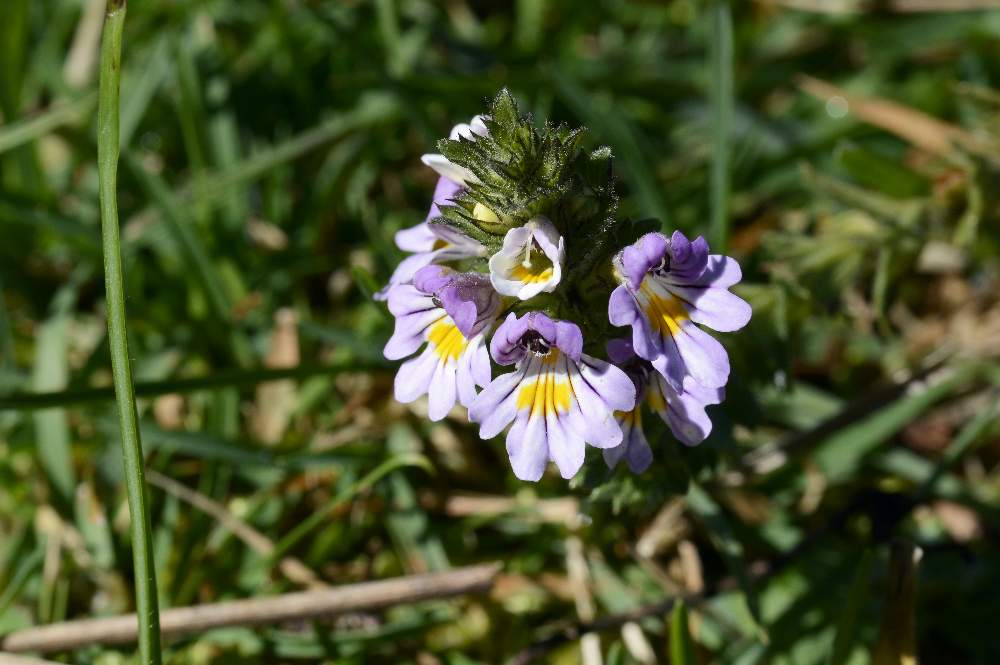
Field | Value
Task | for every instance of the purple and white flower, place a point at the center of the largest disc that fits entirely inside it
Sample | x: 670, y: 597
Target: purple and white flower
x: 530, y: 261
x: 445, y: 168
x: 431, y: 243
x: 683, y: 412
x: 667, y: 286
x: 452, y: 313
x: 558, y: 397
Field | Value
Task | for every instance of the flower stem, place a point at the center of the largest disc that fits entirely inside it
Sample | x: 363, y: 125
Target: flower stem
x: 107, y: 165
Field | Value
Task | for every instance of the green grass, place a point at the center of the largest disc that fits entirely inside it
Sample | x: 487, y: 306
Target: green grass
x: 270, y: 149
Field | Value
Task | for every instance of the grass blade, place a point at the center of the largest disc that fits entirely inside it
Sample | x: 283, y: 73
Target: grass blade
x: 840, y: 454
x: 51, y: 428
x: 722, y: 98
x: 845, y: 638
x: 681, y: 646
x: 25, y: 131
x: 897, y: 640
x: 147, y: 608
x: 26, y: 401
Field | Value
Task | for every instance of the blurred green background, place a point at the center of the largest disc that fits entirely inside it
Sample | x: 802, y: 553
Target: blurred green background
x: 270, y: 151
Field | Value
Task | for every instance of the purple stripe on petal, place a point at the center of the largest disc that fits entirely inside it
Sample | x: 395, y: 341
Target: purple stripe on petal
x: 601, y: 429
x: 704, y: 358
x: 565, y: 448
x: 414, y: 377
x: 496, y: 405
x: 481, y: 370
x: 442, y: 393
x: 466, y: 374
x: 527, y: 449
x: 409, y: 333
x: 716, y: 308
x: 720, y: 271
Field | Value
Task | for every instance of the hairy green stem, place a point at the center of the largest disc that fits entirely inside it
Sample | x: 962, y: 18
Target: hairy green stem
x: 147, y: 608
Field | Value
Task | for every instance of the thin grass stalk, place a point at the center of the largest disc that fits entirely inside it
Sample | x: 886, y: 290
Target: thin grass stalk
x: 147, y: 608
x: 722, y: 99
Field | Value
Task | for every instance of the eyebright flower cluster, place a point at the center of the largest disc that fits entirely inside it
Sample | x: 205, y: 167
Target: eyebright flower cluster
x: 587, y: 317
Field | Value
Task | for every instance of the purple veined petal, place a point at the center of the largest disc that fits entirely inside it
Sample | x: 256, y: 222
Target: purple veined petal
x: 702, y: 394
x: 409, y: 332
x: 466, y: 380
x: 479, y: 367
x: 713, y: 307
x: 684, y: 413
x: 704, y: 357
x: 417, y: 238
x: 527, y: 449
x: 623, y: 310
x: 442, y: 391
x: 496, y: 406
x: 720, y: 272
x: 406, y: 299
x: 413, y: 377
x: 405, y: 271
x: 566, y: 449
x: 600, y: 428
x: 544, y: 399
x: 614, y: 386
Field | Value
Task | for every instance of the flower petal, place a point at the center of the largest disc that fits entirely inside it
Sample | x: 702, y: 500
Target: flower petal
x: 597, y: 426
x: 704, y: 358
x: 414, y: 377
x: 446, y: 169
x: 465, y: 377
x: 442, y: 393
x: 714, y: 307
x: 496, y: 406
x: 417, y: 238
x: 623, y: 310
x: 527, y: 449
x: 566, y: 449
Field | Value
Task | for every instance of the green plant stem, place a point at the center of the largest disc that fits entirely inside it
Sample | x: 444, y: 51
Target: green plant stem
x: 147, y: 608
x: 722, y: 98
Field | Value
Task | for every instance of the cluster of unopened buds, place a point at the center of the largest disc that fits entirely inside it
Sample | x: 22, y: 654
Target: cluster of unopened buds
x: 510, y: 324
